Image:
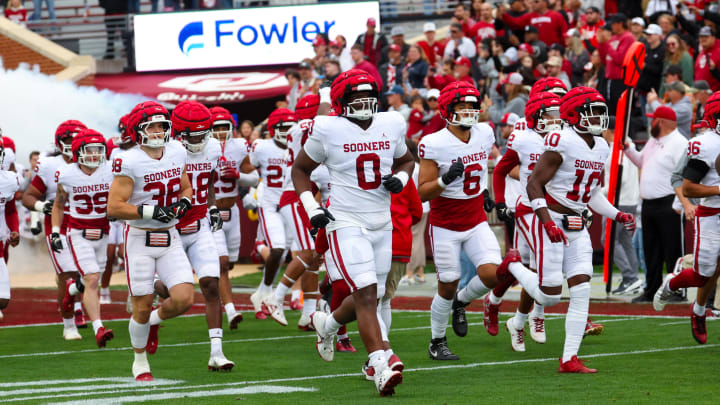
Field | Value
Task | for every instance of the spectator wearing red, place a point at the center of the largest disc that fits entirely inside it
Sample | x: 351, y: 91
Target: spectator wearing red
x: 391, y: 71
x: 612, y: 52
x: 485, y: 27
x: 588, y: 27
x: 16, y: 12
x: 358, y: 57
x: 440, y: 80
x: 436, y: 122
x: 372, y: 42
x: 416, y: 121
x: 517, y: 9
x: 550, y: 24
x: 559, y: 51
x: 432, y: 48
x: 463, y: 67
x: 398, y: 38
x: 572, y: 12
x: 461, y: 15
x: 707, y: 62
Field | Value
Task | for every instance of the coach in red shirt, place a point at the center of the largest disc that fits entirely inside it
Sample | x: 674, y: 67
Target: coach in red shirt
x: 612, y: 50
x: 706, y: 65
x: 551, y: 25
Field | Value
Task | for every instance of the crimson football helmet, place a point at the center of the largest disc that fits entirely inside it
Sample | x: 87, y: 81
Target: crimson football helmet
x: 550, y: 85
x: 221, y: 116
x: 88, y: 148
x: 345, y: 86
x: 125, y: 137
x: 64, y: 135
x: 306, y: 108
x: 144, y: 115
x: 712, y: 112
x: 279, y: 123
x: 541, y: 104
x: 110, y: 144
x: 585, y: 110
x: 459, y: 92
x: 192, y: 121
x: 8, y: 143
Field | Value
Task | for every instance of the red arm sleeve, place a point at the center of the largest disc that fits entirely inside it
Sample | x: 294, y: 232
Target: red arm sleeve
x: 38, y: 183
x: 414, y: 203
x: 509, y: 160
x: 517, y: 23
x: 11, y: 216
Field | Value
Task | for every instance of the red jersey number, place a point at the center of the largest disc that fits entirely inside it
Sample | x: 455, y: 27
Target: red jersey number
x: 87, y: 204
x: 163, y: 194
x: 574, y: 194
x: 275, y: 176
x: 200, y: 187
x: 471, y: 184
x: 360, y: 164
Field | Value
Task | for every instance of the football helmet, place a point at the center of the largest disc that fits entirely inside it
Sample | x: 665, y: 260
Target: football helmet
x: 712, y: 112
x: 459, y: 92
x: 585, y: 110
x: 123, y: 129
x: 191, y: 121
x: 221, y: 116
x: 550, y: 85
x: 345, y: 86
x: 279, y: 123
x: 110, y: 144
x: 144, y: 115
x: 541, y: 104
x: 8, y: 143
x: 88, y: 148
x: 307, y: 107
x: 64, y: 135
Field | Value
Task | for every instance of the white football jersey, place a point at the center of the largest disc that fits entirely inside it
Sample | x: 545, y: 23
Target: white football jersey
x: 706, y: 148
x: 297, y: 135
x: 156, y: 181
x: 199, y: 168
x: 87, y: 194
x: 9, y: 184
x: 233, y: 152
x: 357, y: 160
x: 581, y: 169
x: 269, y: 158
x: 321, y: 177
x: 528, y: 145
x: 45, y: 170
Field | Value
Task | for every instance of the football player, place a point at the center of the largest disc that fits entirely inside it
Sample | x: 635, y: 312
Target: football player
x: 565, y: 181
x: 84, y: 186
x: 191, y: 124
x: 453, y: 177
x: 150, y: 191
x: 367, y: 159
x: 39, y: 196
x: 700, y: 180
x: 229, y: 174
x: 9, y: 184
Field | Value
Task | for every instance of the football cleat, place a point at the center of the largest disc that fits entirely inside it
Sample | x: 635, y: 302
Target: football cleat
x: 325, y: 339
x: 503, y: 273
x: 395, y: 363
x: 152, y: 343
x: 141, y: 370
x: 593, y: 328
x: 71, y: 334
x: 439, y: 350
x: 345, y: 345
x: 575, y: 365
x: 490, y: 320
x: 220, y: 363
x: 80, y: 320
x: 459, y: 320
x: 236, y: 320
x: 663, y: 294
x: 699, y: 330
x: 274, y: 307
x: 68, y: 300
x: 305, y: 324
x: 256, y: 298
x: 537, y: 329
x: 105, y: 299
x: 103, y: 336
x: 368, y: 372
x: 386, y: 381
x: 517, y: 336
x: 296, y: 305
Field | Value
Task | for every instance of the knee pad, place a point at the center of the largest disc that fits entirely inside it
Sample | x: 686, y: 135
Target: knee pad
x: 449, y: 276
x: 548, y: 300
x: 581, y: 290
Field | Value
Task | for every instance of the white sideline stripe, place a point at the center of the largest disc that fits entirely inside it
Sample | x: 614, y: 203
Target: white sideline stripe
x: 259, y: 389
x: 128, y: 383
x: 97, y: 399
x: 81, y: 380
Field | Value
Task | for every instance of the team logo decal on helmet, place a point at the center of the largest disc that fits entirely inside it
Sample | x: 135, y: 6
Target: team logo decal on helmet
x: 279, y: 123
x: 88, y: 148
x: 220, y: 118
x: 541, y: 104
x: 460, y: 92
x: 343, y: 88
x: 143, y: 116
x: 712, y: 112
x: 585, y: 110
x: 64, y: 135
x: 191, y: 124
x: 307, y: 107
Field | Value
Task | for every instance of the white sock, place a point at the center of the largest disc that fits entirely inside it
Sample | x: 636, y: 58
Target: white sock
x: 141, y: 357
x: 439, y: 312
x: 78, y: 305
x: 474, y: 290
x: 97, y: 324
x: 343, y: 336
x: 230, y: 311
x: 576, y: 319
x: 138, y: 334
x: 377, y: 360
x: 538, y: 311
x: 519, y: 320
x: 105, y: 291
x: 295, y: 295
x: 69, y: 323
x: 265, y: 289
x: 309, y: 306
x: 385, y: 312
x: 389, y: 353
x: 280, y: 291
x: 698, y: 309
x: 155, y: 317
x: 73, y: 290
x: 215, y: 341
x: 331, y: 324
x: 493, y: 299
x: 529, y: 281
x: 383, y: 328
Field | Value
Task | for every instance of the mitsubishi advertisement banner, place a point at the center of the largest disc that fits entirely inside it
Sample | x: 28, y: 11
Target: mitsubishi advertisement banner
x: 243, y: 37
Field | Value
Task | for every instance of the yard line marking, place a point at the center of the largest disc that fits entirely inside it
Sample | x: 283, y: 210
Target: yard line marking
x: 97, y: 397
x: 79, y: 381
x: 128, y: 383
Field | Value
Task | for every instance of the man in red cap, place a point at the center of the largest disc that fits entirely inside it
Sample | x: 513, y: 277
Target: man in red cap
x: 372, y: 42
x: 463, y: 67
x: 661, y: 224
x: 320, y: 46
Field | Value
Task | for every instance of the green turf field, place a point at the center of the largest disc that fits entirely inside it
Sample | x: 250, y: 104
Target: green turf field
x: 640, y: 360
